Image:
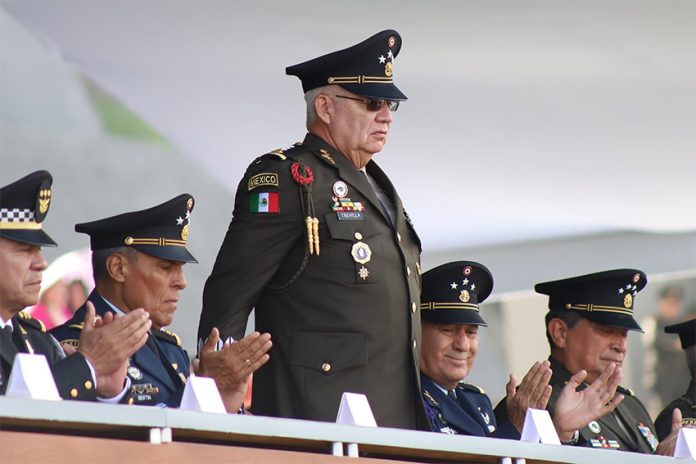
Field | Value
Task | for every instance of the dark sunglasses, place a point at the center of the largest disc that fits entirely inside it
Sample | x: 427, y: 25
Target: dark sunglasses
x: 374, y: 104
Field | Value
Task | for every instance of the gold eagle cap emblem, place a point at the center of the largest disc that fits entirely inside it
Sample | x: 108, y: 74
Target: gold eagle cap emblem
x: 388, y: 69
x: 185, y: 232
x: 44, y: 200
x: 464, y: 296
x: 628, y: 300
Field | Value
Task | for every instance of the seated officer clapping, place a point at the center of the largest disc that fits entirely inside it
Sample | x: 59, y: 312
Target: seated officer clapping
x: 450, y: 319
x: 98, y: 368
x: 138, y: 260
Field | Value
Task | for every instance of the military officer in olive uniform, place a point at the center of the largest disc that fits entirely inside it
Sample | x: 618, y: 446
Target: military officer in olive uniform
x: 587, y: 328
x: 88, y: 374
x: 321, y: 246
x: 686, y: 404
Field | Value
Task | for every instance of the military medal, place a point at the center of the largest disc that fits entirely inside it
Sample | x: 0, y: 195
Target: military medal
x: 134, y: 373
x: 340, y: 189
x: 363, y: 272
x: 594, y: 427
x: 361, y: 253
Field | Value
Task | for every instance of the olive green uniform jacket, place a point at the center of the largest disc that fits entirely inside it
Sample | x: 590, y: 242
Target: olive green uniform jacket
x: 637, y: 433
x: 344, y: 320
x: 686, y: 404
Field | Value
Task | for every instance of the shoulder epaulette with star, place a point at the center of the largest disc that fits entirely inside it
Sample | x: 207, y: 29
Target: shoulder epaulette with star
x: 168, y: 336
x: 625, y: 390
x: 429, y: 398
x: 26, y: 319
x: 471, y: 387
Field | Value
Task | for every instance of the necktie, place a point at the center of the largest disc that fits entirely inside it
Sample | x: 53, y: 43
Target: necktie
x: 8, y: 330
x: 387, y: 205
x: 452, y: 394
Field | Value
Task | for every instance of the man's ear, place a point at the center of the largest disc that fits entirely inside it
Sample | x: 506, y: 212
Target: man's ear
x: 324, y: 107
x: 558, y: 331
x: 117, y: 267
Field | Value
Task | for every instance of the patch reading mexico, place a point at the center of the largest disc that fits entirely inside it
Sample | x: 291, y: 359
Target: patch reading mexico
x: 264, y: 202
x: 265, y: 178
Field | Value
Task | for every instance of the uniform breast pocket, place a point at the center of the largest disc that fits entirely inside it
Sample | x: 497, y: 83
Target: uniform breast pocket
x: 354, y: 250
x: 329, y: 364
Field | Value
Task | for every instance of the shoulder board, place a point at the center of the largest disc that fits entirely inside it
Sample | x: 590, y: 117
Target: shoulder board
x: 26, y: 319
x: 471, y: 387
x: 429, y: 398
x: 283, y: 153
x: 625, y: 390
x: 79, y: 326
x: 168, y: 335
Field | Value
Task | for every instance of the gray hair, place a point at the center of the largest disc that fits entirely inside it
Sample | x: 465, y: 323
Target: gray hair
x: 569, y: 317
x: 309, y: 97
x: 99, y: 258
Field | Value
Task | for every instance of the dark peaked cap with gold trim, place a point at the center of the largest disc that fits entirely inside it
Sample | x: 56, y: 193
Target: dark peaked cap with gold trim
x: 160, y: 231
x: 604, y: 297
x: 23, y: 207
x: 365, y: 69
x: 452, y: 293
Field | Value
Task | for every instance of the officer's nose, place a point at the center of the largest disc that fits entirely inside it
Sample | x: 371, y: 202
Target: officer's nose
x: 180, y: 279
x: 620, y: 341
x: 461, y: 341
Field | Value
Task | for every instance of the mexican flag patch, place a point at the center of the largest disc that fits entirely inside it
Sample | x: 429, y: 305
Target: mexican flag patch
x: 263, y: 202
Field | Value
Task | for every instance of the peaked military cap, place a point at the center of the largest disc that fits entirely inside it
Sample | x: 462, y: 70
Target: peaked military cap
x: 160, y: 231
x: 365, y: 69
x: 604, y: 297
x: 452, y: 293
x: 23, y: 207
x: 686, y: 331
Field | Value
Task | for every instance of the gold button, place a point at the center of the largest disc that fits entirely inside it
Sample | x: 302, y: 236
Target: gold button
x: 398, y: 236
x: 414, y: 344
x: 128, y: 240
x: 358, y: 236
x: 73, y: 392
x: 408, y: 271
x: 130, y: 401
x: 413, y: 307
x: 88, y: 385
x: 326, y: 367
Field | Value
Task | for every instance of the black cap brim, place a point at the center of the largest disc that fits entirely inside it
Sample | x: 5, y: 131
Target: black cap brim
x: 458, y: 317
x: 380, y: 91
x: 32, y: 237
x: 170, y: 253
x: 619, y: 321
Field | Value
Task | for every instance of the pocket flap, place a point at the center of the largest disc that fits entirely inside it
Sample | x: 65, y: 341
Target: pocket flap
x: 328, y: 352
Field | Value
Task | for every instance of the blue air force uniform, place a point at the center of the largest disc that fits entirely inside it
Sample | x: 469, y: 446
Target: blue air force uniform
x: 451, y: 295
x: 158, y: 371
x: 470, y: 414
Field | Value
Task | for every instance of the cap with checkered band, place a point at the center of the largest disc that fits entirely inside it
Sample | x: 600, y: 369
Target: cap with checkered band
x: 23, y: 207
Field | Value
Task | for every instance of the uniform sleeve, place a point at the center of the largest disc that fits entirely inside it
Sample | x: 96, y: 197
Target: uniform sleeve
x: 74, y: 379
x: 253, y: 249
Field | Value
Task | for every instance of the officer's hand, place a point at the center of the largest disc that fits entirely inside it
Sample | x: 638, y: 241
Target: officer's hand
x: 575, y: 409
x: 109, y: 342
x: 668, y: 445
x: 232, y: 366
x: 534, y: 392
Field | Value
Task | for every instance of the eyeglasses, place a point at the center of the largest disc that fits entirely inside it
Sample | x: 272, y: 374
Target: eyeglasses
x: 374, y: 104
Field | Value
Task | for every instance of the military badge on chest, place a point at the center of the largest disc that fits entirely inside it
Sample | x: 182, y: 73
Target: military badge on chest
x: 345, y: 209
x: 647, y: 434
